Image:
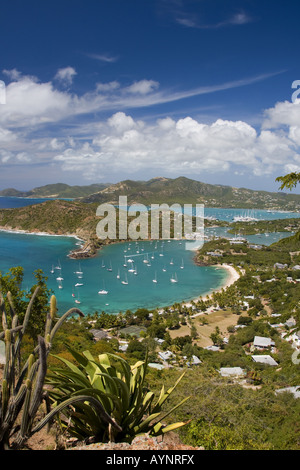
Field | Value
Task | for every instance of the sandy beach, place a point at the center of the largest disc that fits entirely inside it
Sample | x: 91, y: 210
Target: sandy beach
x: 232, y: 277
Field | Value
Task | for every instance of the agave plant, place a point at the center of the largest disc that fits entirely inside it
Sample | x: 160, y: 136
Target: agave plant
x: 119, y: 388
x: 22, y: 388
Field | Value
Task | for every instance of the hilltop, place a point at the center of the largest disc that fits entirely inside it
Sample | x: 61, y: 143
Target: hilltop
x: 183, y: 190
x: 58, y: 190
x: 159, y: 190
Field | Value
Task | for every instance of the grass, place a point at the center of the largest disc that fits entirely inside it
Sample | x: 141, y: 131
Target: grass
x: 221, y: 318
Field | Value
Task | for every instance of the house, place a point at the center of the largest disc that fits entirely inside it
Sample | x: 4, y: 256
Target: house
x: 166, y: 355
x: 98, y: 334
x: 290, y: 322
x: 294, y: 390
x: 265, y: 359
x: 156, y: 365
x: 159, y: 340
x: 232, y: 372
x: 262, y: 342
x: 194, y: 361
x: 123, y: 345
x: 280, y: 266
x: 212, y: 348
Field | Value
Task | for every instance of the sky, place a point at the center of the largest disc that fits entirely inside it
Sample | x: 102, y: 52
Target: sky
x: 99, y: 91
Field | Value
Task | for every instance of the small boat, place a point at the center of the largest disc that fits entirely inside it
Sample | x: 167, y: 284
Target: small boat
x: 77, y: 301
x: 78, y: 284
x: 164, y: 269
x: 79, y: 272
x: 182, y: 265
x: 155, y: 279
x: 58, y: 266
x: 59, y: 278
x: 125, y: 281
x: 103, y: 291
x: 52, y: 269
x: 118, y: 275
x: 171, y: 262
x: 110, y: 267
x: 174, y: 279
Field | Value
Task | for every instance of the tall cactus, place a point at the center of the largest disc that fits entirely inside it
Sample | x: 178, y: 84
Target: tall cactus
x: 22, y: 391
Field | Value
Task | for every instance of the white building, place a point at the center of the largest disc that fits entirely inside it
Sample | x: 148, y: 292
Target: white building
x: 232, y: 372
x: 265, y: 359
x: 262, y: 342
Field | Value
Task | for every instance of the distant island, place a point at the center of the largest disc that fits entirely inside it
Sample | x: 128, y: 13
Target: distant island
x: 179, y: 190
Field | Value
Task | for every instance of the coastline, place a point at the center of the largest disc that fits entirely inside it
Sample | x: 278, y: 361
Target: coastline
x: 42, y: 234
x: 230, y: 279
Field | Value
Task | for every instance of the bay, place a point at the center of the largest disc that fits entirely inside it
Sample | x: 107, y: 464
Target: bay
x: 100, y: 273
x: 33, y: 252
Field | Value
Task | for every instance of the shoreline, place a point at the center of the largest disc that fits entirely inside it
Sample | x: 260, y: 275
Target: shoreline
x: 40, y: 234
x: 231, y: 279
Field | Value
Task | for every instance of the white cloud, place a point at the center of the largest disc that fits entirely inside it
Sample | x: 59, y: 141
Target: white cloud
x: 124, y: 144
x: 143, y: 87
x: 66, y: 75
x: 103, y: 57
x: 185, y: 146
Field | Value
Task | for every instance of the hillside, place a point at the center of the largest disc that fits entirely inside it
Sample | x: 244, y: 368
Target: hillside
x: 187, y: 191
x: 57, y: 217
x: 59, y: 190
x: 159, y: 190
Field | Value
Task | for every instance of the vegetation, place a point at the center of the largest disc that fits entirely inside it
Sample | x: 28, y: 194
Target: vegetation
x: 58, y: 190
x: 22, y: 385
x: 119, y: 388
x: 187, y: 191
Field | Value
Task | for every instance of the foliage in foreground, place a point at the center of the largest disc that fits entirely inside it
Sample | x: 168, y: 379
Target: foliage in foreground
x: 119, y: 388
x: 22, y: 387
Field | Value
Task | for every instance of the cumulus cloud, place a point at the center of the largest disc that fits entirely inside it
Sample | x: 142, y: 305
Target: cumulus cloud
x: 66, y: 75
x: 99, y: 148
x: 143, y: 87
x: 184, y: 146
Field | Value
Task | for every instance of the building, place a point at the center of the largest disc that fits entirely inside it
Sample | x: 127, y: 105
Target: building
x: 232, y: 372
x: 294, y: 390
x: 280, y: 266
x: 98, y: 334
x: 262, y: 342
x: 166, y: 355
x: 265, y: 359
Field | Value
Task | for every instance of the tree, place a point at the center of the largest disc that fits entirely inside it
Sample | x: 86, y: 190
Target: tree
x: 289, y: 181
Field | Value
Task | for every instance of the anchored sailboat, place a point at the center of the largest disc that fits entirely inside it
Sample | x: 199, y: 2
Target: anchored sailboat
x: 103, y: 291
x: 174, y: 279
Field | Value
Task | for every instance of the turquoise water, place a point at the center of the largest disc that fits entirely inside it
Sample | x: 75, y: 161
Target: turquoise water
x: 42, y: 252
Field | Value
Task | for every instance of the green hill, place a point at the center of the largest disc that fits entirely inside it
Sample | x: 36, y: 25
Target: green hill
x: 187, y: 191
x: 58, y: 190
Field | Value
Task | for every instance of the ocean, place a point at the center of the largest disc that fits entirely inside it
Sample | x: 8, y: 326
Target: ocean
x: 167, y: 260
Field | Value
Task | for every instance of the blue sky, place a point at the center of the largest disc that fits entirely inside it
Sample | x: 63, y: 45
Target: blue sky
x: 102, y: 91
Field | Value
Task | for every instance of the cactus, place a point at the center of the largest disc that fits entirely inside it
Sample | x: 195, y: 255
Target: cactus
x: 22, y: 390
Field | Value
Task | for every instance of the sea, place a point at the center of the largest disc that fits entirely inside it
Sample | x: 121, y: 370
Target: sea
x: 123, y: 276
